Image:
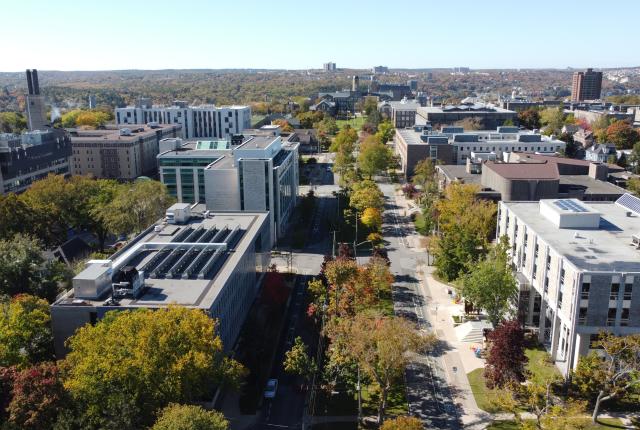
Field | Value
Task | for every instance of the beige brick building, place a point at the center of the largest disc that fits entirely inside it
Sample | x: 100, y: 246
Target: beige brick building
x: 119, y: 152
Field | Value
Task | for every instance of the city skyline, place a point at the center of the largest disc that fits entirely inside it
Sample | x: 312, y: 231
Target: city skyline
x: 359, y: 35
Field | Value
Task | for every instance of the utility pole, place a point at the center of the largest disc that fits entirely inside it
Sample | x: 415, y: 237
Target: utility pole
x: 359, y: 387
x: 333, y: 246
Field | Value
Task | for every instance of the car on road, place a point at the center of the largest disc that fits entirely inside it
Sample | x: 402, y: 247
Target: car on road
x: 272, y: 387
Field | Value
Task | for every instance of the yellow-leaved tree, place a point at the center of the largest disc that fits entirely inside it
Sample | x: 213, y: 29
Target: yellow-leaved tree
x: 123, y: 370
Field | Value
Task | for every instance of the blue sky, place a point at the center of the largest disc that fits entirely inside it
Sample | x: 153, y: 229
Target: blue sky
x: 142, y: 34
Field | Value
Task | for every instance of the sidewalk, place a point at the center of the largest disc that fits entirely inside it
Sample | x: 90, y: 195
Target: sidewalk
x: 439, y: 308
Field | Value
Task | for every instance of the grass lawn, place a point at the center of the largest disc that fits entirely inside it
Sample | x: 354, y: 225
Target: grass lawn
x: 421, y: 224
x: 353, y: 122
x: 539, y: 367
x: 396, y: 401
x: 605, y: 423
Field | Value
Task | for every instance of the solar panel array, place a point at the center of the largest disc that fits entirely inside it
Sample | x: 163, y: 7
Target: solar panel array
x: 629, y: 202
x: 190, y: 260
x: 569, y: 205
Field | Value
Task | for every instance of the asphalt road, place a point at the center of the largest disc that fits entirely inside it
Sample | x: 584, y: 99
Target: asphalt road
x: 430, y: 397
x: 286, y: 409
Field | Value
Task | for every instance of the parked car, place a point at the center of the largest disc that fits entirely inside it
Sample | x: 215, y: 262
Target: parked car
x: 272, y: 387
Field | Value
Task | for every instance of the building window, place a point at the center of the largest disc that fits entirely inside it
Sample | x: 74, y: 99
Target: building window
x: 585, y: 290
x: 611, y: 316
x: 624, y: 317
x: 548, y: 262
x: 615, y: 288
x: 582, y: 316
x: 627, y: 291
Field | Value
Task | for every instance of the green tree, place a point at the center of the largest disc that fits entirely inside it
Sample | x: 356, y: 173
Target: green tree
x: 128, y: 366
x: 345, y: 140
x: 189, y: 417
x: 12, y: 122
x: 611, y: 375
x: 135, y: 207
x: 380, y: 345
x: 23, y: 269
x: 454, y: 251
x: 490, y: 284
x: 386, y: 131
x: 633, y: 185
x: 25, y: 332
x: 91, y: 118
x: 370, y: 105
x: 326, y: 126
x: 16, y: 216
x: 424, y: 173
x: 298, y: 362
x: 552, y: 119
x: 374, y: 157
x: 366, y: 194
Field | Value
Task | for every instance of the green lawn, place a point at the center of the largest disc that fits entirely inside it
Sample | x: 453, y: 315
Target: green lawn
x: 421, y: 224
x: 604, y: 423
x: 353, y: 122
x: 538, y: 366
x: 396, y: 401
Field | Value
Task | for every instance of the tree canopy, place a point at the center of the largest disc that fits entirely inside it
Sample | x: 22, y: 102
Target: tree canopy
x: 506, y: 360
x: 25, y: 331
x: 189, y: 417
x: 490, y: 283
x: 374, y: 157
x: 132, y: 363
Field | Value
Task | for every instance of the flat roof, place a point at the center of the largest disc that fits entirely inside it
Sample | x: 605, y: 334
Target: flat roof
x: 237, y: 229
x: 257, y: 142
x: 457, y: 171
x: 593, y: 186
x: 606, y: 249
x: 113, y: 134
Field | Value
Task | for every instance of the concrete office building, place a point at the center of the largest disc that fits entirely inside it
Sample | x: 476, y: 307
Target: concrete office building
x: 402, y: 113
x: 259, y: 174
x: 329, y: 67
x: 452, y: 145
x: 586, y: 85
x: 491, y: 117
x: 200, y: 260
x: 205, y: 121
x: 379, y: 70
x: 531, y: 179
x: 32, y: 156
x: 36, y: 114
x: 119, y: 152
x: 578, y: 270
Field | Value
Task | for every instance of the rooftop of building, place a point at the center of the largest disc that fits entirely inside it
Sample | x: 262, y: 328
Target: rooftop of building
x: 186, y: 106
x: 457, y: 172
x: 544, y: 170
x: 477, y: 107
x: 120, y: 133
x: 185, y: 264
x: 608, y: 247
x: 590, y: 185
x: 404, y: 104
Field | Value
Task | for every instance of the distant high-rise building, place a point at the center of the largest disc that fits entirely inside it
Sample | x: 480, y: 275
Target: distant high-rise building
x: 586, y: 85
x: 36, y: 114
x: 329, y: 67
x: 380, y: 69
x: 413, y: 84
x: 92, y: 101
x: 356, y: 83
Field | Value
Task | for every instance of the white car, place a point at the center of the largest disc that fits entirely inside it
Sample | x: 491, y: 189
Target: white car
x: 272, y: 387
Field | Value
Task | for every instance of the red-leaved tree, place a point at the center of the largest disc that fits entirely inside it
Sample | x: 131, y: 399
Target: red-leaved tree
x: 38, y: 397
x: 506, y: 360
